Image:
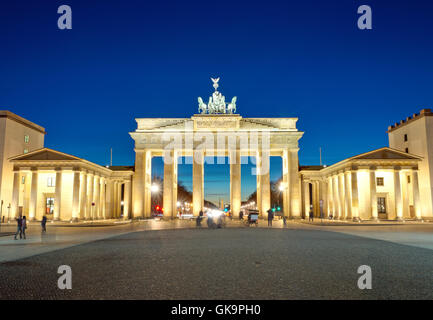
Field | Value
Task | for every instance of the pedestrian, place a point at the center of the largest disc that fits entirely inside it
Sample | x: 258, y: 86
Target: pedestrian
x: 241, y: 215
x: 19, y: 230
x: 270, y: 217
x: 311, y: 215
x: 24, y: 226
x: 199, y: 218
x: 284, y: 221
x: 44, y: 223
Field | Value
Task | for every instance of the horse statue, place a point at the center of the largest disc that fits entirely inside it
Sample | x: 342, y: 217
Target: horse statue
x: 231, y: 108
x: 202, y: 107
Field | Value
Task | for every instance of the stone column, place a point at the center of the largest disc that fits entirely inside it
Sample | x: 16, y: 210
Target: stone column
x: 373, y: 195
x: 170, y: 185
x: 415, y: 191
x: 58, y: 196
x: 347, y: 197
x: 331, y: 206
x: 398, y: 195
x: 138, y: 185
x: 354, y: 195
x: 119, y: 199
x: 83, y: 198
x: 148, y: 184
x: 265, y: 186
x: 109, y: 200
x: 76, y: 196
x: 90, y: 209
x: 115, y: 195
x: 341, y: 195
x: 286, y: 182
x: 337, y: 205
x: 197, y: 182
x: 307, y: 198
x: 96, y: 196
x: 102, y: 198
x: 295, y: 185
x: 127, y: 199
x: 324, y: 197
x: 15, y: 195
x: 235, y: 182
x: 33, y: 195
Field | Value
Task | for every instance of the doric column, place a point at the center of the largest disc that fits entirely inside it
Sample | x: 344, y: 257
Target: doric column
x: 170, y: 184
x: 148, y: 184
x: 114, y: 203
x: 265, y: 187
x: 76, y: 196
x: 347, y: 201
x: 415, y: 191
x: 341, y: 195
x: 307, y: 198
x: 373, y: 195
x: 96, y: 196
x: 235, y: 182
x: 15, y: 194
x: 126, y: 199
x: 58, y: 195
x: 119, y: 199
x: 83, y: 198
x: 324, y: 197
x: 331, y: 206
x: 197, y: 182
x: 258, y: 180
x: 109, y: 199
x: 33, y: 195
x: 138, y: 185
x: 90, y: 209
x: 337, y: 205
x: 102, y: 198
x: 295, y: 185
x: 286, y: 182
x: 314, y: 197
x: 354, y: 195
x: 398, y: 195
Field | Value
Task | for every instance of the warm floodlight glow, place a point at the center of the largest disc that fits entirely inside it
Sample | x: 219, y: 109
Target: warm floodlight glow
x: 282, y: 187
x: 154, y: 188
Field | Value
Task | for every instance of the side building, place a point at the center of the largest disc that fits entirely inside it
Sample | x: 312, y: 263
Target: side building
x: 17, y: 136
x: 415, y: 135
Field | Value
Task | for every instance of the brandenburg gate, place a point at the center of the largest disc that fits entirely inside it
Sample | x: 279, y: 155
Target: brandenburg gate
x: 216, y: 132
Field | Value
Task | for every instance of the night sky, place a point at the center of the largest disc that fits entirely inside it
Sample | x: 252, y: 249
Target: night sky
x: 128, y: 59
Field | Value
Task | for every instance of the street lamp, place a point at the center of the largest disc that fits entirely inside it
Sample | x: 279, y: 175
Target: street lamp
x: 154, y: 188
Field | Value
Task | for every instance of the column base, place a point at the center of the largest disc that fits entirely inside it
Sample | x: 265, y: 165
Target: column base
x: 375, y: 219
x: 400, y: 219
x: 356, y: 219
x: 74, y: 220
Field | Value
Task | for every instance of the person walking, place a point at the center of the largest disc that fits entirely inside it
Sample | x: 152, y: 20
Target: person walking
x: 24, y: 226
x: 241, y: 215
x: 311, y: 215
x: 44, y: 223
x: 199, y: 218
x: 270, y: 217
x: 19, y: 225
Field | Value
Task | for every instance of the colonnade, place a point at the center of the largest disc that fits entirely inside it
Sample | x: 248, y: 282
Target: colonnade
x: 79, y: 194
x: 142, y: 182
x: 353, y: 193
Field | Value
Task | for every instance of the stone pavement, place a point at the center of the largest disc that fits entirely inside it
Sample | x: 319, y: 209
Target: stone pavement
x: 297, y: 262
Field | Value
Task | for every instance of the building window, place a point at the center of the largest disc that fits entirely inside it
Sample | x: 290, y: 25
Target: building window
x: 408, y: 179
x: 51, y: 182
x: 23, y: 179
x: 406, y: 150
x: 405, y: 138
x: 26, y: 139
x: 26, y: 150
x: 379, y: 181
x: 49, y: 206
x: 381, y: 205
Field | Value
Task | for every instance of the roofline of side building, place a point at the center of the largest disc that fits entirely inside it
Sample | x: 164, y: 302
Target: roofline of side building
x: 12, y: 116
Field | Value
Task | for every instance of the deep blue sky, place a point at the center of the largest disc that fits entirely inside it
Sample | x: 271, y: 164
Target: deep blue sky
x: 128, y: 59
